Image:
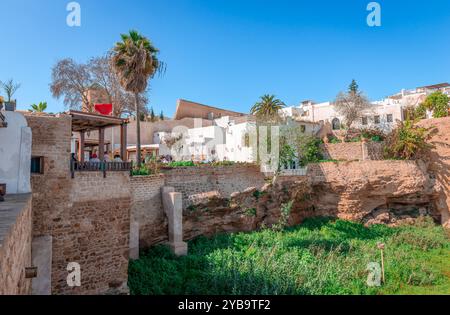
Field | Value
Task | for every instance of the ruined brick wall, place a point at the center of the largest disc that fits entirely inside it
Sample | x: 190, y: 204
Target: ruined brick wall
x: 348, y: 151
x: 353, y: 151
x: 88, y: 216
x: 147, y: 209
x: 192, y: 182
x: 15, y: 248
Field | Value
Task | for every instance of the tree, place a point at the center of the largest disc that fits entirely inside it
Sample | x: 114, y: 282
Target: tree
x: 10, y: 88
x: 105, y: 78
x: 135, y: 61
x: 39, y: 108
x: 71, y: 80
x: 152, y: 115
x: 161, y: 116
x: 352, y: 104
x: 437, y: 102
x: 267, y: 109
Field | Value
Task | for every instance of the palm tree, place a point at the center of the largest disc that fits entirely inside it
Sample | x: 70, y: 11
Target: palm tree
x: 40, y: 108
x: 267, y: 108
x: 135, y: 61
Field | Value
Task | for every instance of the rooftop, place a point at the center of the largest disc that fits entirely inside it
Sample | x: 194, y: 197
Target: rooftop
x: 196, y: 110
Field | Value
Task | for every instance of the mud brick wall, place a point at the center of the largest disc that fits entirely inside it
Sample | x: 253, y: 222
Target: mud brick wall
x: 15, y: 244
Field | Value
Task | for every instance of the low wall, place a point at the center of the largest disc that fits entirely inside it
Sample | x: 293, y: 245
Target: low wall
x: 193, y: 182
x: 197, y: 185
x: 353, y: 151
x: 15, y: 244
x: 147, y: 209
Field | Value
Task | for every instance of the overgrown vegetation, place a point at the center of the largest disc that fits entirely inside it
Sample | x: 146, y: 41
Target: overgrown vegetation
x: 408, y: 141
x: 310, y: 151
x: 321, y: 256
x: 180, y: 164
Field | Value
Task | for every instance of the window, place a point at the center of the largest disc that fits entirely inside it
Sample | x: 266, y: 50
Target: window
x: 37, y: 165
x: 364, y: 120
x: 303, y: 128
x: 336, y: 124
x: 389, y: 118
x: 376, y: 119
x: 247, y: 140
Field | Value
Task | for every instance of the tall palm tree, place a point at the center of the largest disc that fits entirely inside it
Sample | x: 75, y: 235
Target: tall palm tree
x: 135, y: 61
x: 267, y: 108
x: 39, y: 108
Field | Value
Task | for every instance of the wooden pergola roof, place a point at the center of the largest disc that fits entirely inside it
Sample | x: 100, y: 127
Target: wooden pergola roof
x: 82, y: 121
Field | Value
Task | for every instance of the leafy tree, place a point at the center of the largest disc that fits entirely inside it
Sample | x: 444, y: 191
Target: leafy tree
x: 10, y: 88
x: 161, y: 116
x: 353, y: 87
x: 351, y: 104
x: 39, y: 108
x: 438, y: 102
x: 135, y: 60
x: 267, y: 109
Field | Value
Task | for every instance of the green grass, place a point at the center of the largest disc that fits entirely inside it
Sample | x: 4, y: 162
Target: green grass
x: 321, y: 256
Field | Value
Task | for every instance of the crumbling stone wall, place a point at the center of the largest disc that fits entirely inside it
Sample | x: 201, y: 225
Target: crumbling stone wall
x: 193, y: 182
x: 15, y: 245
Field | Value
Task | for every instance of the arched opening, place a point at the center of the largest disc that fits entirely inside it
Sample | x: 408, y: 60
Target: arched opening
x: 336, y: 124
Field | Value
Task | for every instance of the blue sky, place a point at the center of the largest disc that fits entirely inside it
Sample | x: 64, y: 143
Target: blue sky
x: 227, y: 53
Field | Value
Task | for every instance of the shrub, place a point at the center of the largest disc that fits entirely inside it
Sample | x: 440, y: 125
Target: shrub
x: 181, y: 164
x: 408, y: 141
x: 310, y: 151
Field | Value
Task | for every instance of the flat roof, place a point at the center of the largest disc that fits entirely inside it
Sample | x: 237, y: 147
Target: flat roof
x: 435, y: 86
x: 83, y: 121
x: 191, y: 109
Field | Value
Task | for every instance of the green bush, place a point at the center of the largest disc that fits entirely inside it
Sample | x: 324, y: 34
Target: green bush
x: 181, y: 164
x: 408, y: 141
x: 310, y: 151
x: 320, y: 256
x: 438, y: 102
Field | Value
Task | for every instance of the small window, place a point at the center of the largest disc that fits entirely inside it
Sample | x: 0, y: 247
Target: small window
x: 376, y: 119
x: 303, y: 128
x: 389, y: 118
x: 37, y: 165
x: 364, y: 121
x: 247, y: 140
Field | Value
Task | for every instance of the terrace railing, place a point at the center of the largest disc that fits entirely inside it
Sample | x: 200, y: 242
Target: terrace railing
x: 293, y: 169
x: 103, y: 167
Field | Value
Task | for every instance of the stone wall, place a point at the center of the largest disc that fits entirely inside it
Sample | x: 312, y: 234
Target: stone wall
x: 15, y: 244
x: 194, y: 182
x: 147, y: 209
x: 353, y: 151
x: 88, y: 217
x: 348, y: 151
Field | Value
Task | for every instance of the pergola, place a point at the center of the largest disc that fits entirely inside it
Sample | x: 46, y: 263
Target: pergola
x: 83, y: 122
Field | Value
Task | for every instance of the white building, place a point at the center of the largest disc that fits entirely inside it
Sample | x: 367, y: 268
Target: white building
x: 382, y: 115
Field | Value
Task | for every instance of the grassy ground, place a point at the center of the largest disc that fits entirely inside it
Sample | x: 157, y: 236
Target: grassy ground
x: 321, y: 256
